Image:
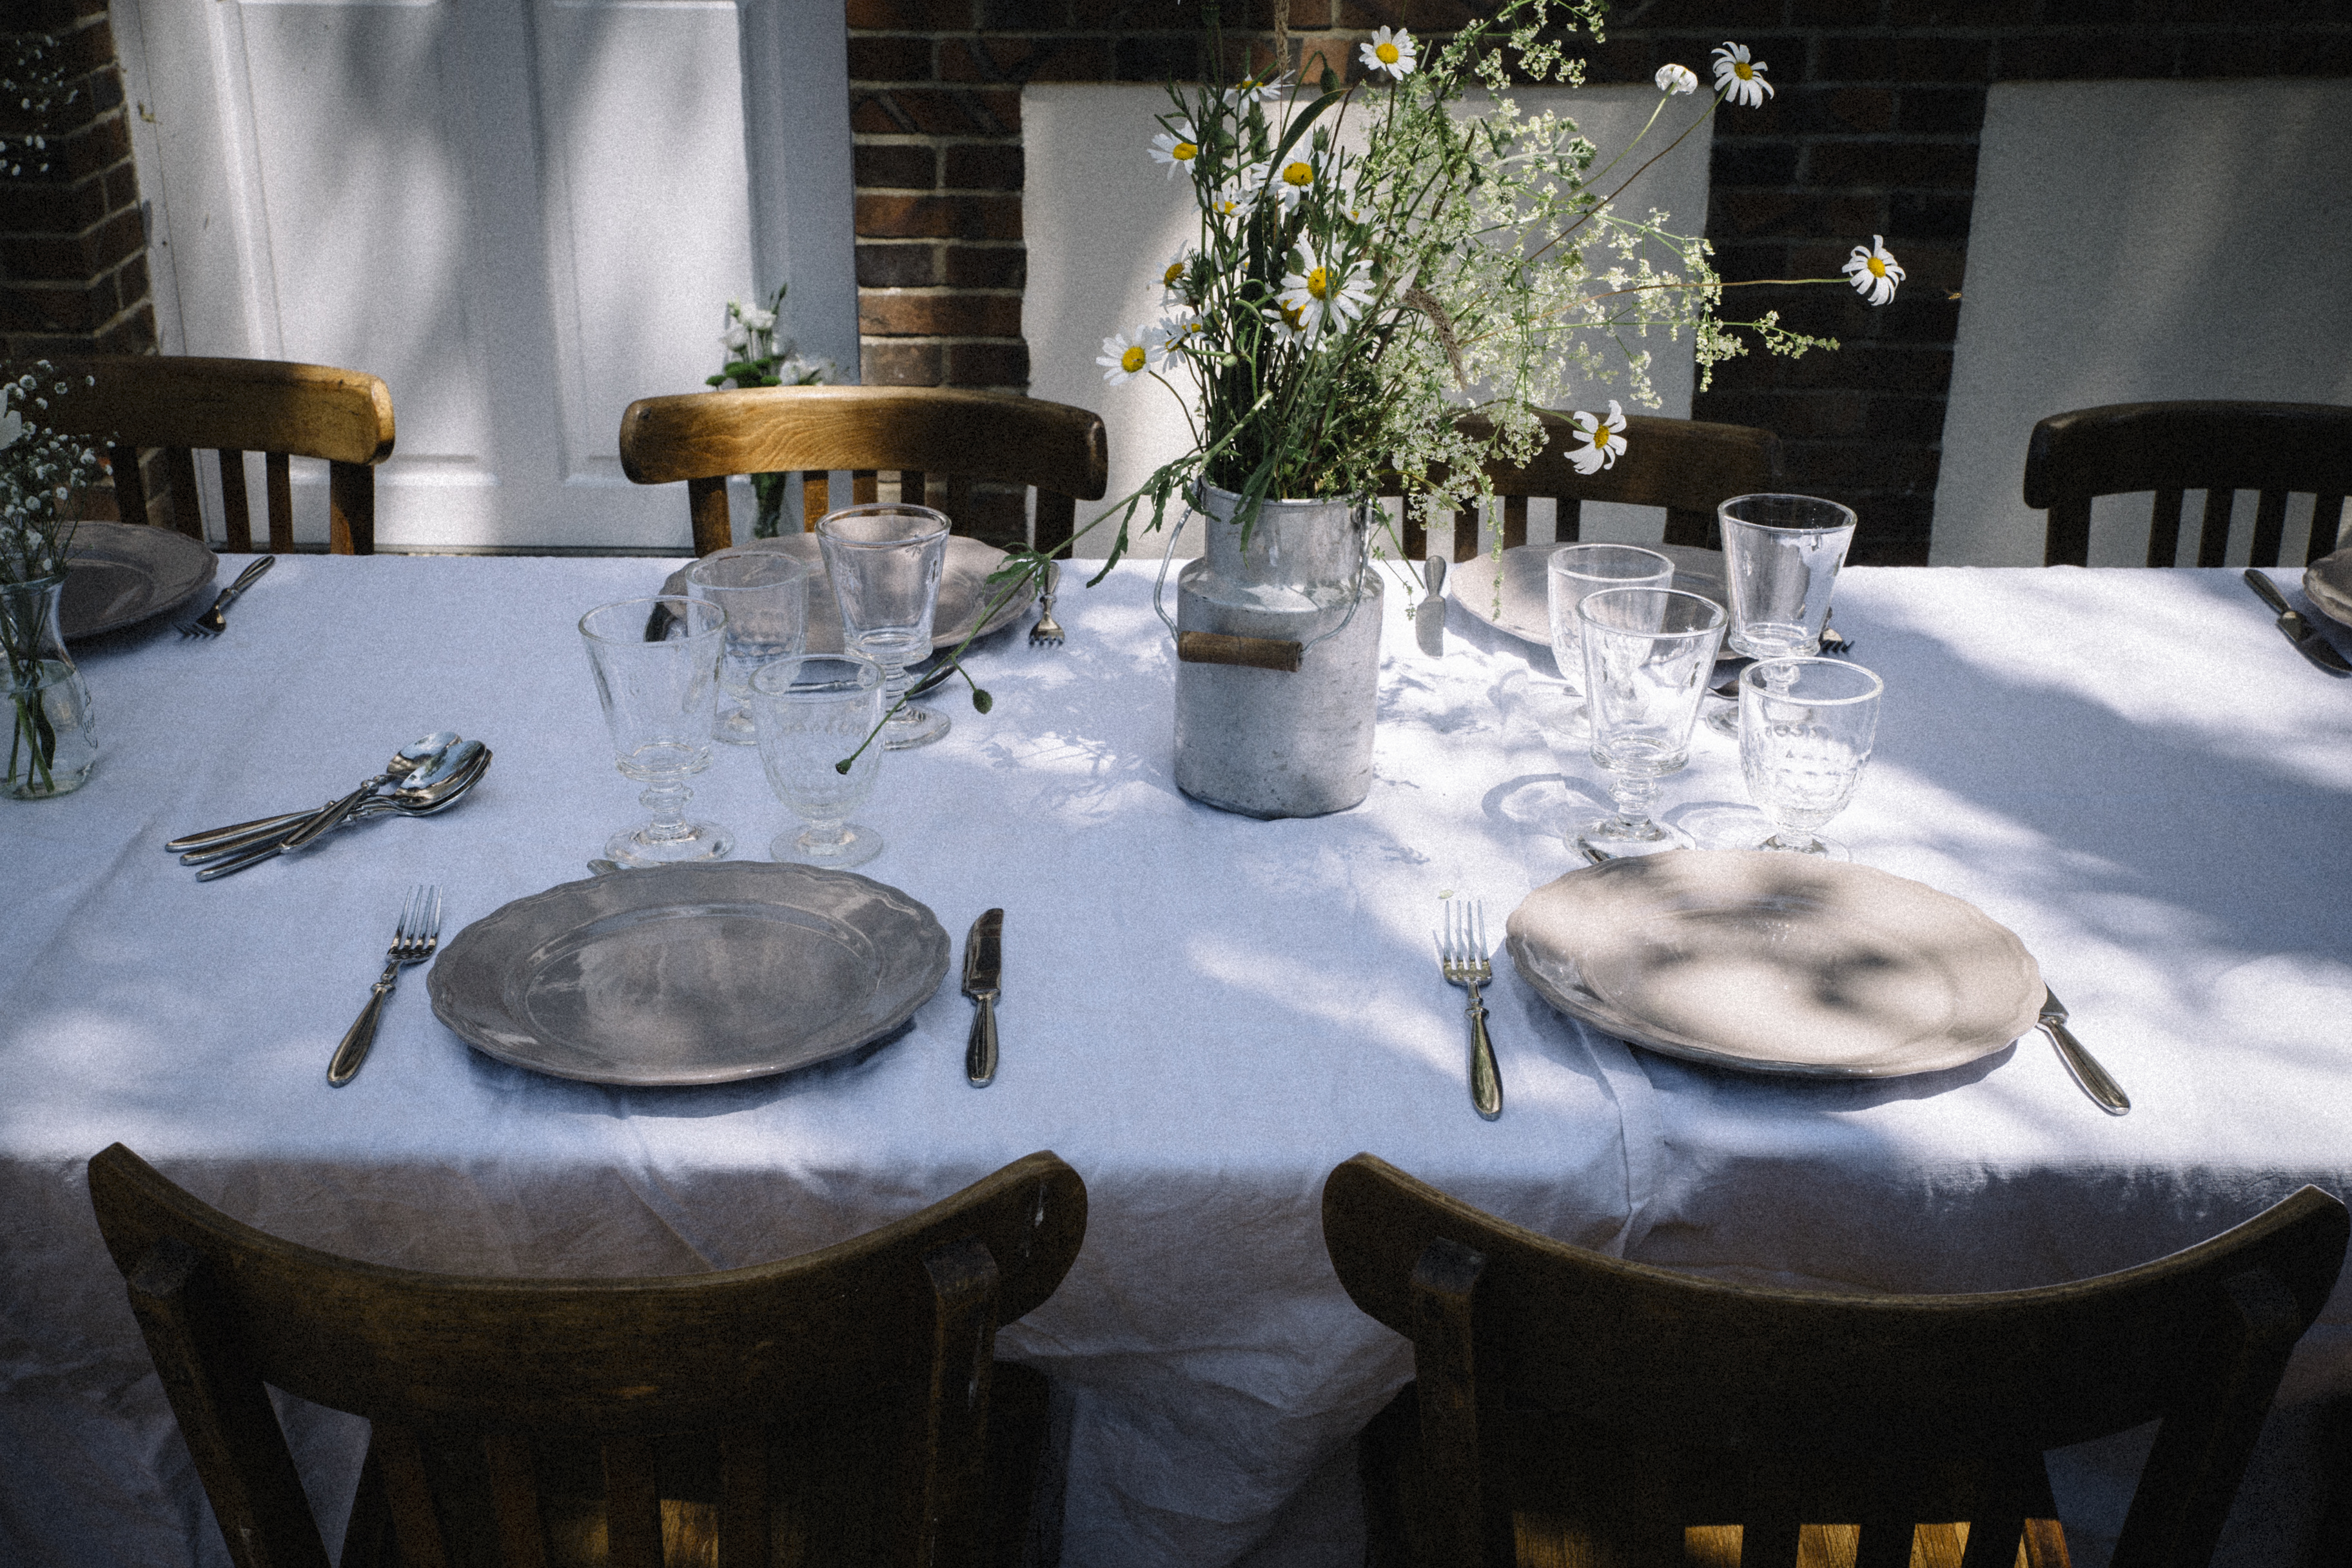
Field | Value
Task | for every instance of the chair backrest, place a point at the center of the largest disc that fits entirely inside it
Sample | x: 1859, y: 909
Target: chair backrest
x: 1688, y: 466
x: 890, y: 1333
x: 926, y: 435
x: 1734, y: 1381
x: 2274, y: 448
x: 232, y: 407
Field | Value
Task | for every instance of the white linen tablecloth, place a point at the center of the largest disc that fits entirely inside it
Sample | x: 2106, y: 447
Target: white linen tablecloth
x: 1203, y: 1013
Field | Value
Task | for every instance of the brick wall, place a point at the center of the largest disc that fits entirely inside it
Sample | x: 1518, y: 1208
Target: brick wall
x: 1872, y: 130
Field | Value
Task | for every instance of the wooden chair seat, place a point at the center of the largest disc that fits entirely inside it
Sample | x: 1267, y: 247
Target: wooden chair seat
x: 1571, y: 1408
x: 925, y: 435
x: 842, y: 1407
x: 2276, y: 449
x: 1689, y: 466
x: 182, y: 405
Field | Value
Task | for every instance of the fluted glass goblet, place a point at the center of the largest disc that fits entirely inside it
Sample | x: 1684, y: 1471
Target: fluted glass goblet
x: 885, y: 562
x: 1806, y: 730
x: 1574, y: 571
x: 1647, y: 655
x: 656, y: 667
x: 765, y: 596
x: 815, y: 712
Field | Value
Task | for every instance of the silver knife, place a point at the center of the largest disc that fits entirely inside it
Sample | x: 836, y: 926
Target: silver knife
x: 1429, y: 615
x: 2308, y: 640
x: 984, y: 965
x: 2103, y: 1090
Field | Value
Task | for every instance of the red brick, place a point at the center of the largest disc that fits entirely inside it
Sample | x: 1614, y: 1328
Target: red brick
x: 939, y: 217
x: 134, y: 333
x: 1915, y: 165
x: 937, y: 315
x: 121, y: 187
x: 48, y: 258
x: 899, y: 365
x: 875, y: 115
x: 121, y: 235
x: 988, y: 364
x: 37, y: 206
x: 959, y: 111
x: 895, y: 167
x: 1075, y: 59
x: 93, y: 149
x: 984, y: 166
x: 898, y: 266
x: 889, y: 59
x: 912, y: 16
x: 987, y: 266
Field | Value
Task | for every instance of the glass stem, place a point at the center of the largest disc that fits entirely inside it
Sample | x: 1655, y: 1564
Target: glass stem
x: 667, y: 800
x: 1633, y: 795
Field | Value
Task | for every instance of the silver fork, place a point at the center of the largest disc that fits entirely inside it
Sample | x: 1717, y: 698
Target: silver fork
x: 412, y: 941
x: 214, y: 621
x: 1462, y: 954
x: 1047, y: 632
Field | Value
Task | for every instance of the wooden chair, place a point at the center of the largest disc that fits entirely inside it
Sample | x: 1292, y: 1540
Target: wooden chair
x: 2274, y: 448
x: 839, y: 1408
x: 1570, y: 1407
x: 925, y: 434
x: 1688, y: 466
x: 233, y: 407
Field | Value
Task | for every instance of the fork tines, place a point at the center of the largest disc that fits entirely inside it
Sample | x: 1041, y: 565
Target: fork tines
x: 420, y: 919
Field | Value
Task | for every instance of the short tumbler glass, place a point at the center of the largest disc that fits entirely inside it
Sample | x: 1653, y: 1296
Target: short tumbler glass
x: 1780, y: 561
x: 813, y: 711
x: 1647, y: 655
x: 1574, y: 571
x: 1806, y: 729
x: 656, y: 667
x: 885, y: 561
x: 765, y: 596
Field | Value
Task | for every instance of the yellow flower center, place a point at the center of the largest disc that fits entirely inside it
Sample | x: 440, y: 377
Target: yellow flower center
x: 1387, y: 53
x: 1184, y: 151
x: 1877, y: 268
x: 1132, y: 360
x: 1291, y: 313
x: 1743, y: 71
x: 1318, y: 282
x: 1298, y: 173
x: 1601, y: 434
x: 1174, y: 275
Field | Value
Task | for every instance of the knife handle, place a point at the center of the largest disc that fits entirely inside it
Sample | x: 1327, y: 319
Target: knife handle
x: 980, y: 1051
x: 2104, y: 1090
x: 2267, y: 591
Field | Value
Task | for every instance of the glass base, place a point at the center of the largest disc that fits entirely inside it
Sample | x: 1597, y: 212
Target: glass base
x: 912, y: 726
x: 1617, y: 838
x: 700, y: 841
x: 1721, y: 717
x: 1827, y: 848
x: 856, y: 847
x: 734, y: 726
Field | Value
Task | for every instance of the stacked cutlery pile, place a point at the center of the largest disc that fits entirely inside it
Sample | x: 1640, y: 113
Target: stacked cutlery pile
x: 429, y: 776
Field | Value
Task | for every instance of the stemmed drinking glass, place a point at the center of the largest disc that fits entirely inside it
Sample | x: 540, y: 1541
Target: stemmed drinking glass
x: 1806, y: 728
x: 812, y: 712
x: 1574, y: 571
x: 656, y: 667
x: 1781, y: 555
x: 1647, y: 655
x: 885, y: 562
x: 765, y: 596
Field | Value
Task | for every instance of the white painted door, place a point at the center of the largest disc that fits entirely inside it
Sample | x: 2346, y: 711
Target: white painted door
x: 522, y: 214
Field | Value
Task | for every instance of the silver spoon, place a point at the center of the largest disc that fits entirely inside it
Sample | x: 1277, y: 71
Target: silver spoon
x: 410, y: 759
x: 213, y: 837
x: 416, y: 798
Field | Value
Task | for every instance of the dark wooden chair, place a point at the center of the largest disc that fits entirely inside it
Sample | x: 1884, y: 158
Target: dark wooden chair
x: 840, y: 1407
x: 232, y: 407
x: 1570, y: 1407
x: 2274, y: 448
x: 1688, y: 466
x: 927, y: 435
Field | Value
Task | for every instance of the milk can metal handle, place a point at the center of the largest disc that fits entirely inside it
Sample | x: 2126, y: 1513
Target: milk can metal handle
x: 1363, y: 561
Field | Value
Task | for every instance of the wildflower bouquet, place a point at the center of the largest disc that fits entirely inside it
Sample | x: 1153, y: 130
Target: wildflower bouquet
x: 756, y: 358
x: 1340, y: 311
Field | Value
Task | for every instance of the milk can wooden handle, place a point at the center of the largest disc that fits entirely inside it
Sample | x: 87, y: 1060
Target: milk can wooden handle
x: 1258, y: 653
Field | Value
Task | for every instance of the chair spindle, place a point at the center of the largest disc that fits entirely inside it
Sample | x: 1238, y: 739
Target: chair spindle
x: 2163, y: 530
x: 2213, y: 537
x: 633, y: 1512
x: 2270, y: 528
x: 2327, y: 525
x: 409, y: 1491
x: 514, y: 1497
x: 238, y: 524
x: 277, y: 483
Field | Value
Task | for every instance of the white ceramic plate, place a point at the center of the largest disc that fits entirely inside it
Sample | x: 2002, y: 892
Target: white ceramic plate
x: 1776, y: 963
x: 691, y: 974
x: 122, y: 573
x: 964, y: 592
x: 1527, y: 595
x: 2328, y: 583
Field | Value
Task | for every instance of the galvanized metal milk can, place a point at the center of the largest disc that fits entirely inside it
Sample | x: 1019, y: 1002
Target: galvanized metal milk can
x: 1278, y: 658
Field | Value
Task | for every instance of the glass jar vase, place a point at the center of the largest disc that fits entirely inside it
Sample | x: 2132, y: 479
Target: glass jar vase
x: 52, y: 745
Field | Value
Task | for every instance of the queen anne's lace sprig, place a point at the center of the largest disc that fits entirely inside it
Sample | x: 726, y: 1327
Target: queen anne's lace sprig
x: 40, y: 469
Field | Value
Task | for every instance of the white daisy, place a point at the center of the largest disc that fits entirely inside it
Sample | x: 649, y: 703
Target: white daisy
x: 1263, y: 89
x: 1393, y: 52
x: 1290, y: 325
x: 1172, y: 277
x: 1173, y: 331
x: 1125, y: 358
x: 1874, y: 271
x: 1321, y: 297
x: 1240, y: 192
x: 1677, y: 79
x: 1295, y: 179
x: 1738, y: 79
x: 1604, y: 441
x: 1176, y: 148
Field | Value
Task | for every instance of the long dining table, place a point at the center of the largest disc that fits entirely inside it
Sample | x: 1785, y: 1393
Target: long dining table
x: 1203, y: 1013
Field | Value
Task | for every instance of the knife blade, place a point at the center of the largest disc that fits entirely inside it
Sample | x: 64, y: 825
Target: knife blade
x: 983, y: 964
x: 1429, y: 615
x: 2308, y: 640
x: 2104, y: 1090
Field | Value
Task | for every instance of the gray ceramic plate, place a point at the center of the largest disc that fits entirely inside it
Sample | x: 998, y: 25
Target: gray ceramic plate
x: 1526, y: 595
x: 2327, y: 582
x: 964, y: 592
x: 120, y: 573
x: 687, y: 975
x: 1776, y: 963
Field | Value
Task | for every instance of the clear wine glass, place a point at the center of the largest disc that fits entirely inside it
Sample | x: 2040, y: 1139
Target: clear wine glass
x: 1806, y: 729
x: 1647, y: 655
x: 813, y: 711
x: 656, y: 667
x: 1781, y: 555
x: 885, y: 562
x: 1574, y: 571
x: 765, y: 596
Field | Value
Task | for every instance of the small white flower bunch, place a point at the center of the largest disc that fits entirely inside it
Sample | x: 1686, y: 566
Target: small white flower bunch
x: 756, y: 357
x: 40, y: 467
